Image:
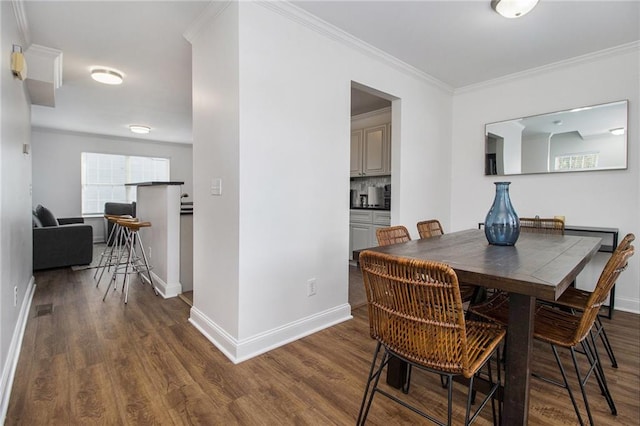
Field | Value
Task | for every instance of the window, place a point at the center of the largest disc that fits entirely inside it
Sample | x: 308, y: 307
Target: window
x: 104, y: 177
x: 567, y: 163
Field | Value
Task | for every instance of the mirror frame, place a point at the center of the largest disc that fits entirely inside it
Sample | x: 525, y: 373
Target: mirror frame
x: 578, y: 125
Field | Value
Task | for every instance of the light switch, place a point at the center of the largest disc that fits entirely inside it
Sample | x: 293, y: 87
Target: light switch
x: 216, y: 186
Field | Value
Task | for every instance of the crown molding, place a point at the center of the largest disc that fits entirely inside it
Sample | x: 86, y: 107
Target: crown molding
x: 306, y: 19
x: 211, y: 12
x: 578, y: 60
x: 23, y: 23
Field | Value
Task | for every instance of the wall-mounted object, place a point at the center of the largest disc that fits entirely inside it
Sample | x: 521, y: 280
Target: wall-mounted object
x: 45, y: 74
x: 26, y: 148
x: 575, y: 140
x: 18, y: 63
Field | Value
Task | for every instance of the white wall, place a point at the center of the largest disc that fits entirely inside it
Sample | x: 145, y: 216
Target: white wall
x: 216, y: 155
x: 272, y: 118
x: 56, y: 167
x: 602, y: 198
x: 16, y: 260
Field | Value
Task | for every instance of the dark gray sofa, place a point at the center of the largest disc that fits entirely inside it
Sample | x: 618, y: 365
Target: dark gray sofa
x: 60, y: 242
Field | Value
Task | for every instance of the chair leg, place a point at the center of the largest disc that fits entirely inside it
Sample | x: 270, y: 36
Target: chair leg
x: 594, y: 359
x: 581, y: 383
x: 407, y: 380
x: 566, y: 382
x: 146, y: 264
x: 605, y: 341
x: 373, y: 376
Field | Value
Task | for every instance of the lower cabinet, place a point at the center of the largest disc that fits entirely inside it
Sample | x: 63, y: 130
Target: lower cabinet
x: 362, y: 228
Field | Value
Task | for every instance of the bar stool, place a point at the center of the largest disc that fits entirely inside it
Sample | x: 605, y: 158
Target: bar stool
x: 135, y: 263
x: 115, y: 242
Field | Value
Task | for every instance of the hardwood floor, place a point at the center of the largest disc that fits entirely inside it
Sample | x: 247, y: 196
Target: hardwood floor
x: 92, y: 362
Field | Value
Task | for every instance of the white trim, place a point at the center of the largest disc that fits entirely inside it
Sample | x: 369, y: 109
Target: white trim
x: 211, y: 12
x: 627, y: 305
x: 241, y: 350
x: 589, y: 57
x: 22, y: 21
x: 11, y: 363
x: 312, y: 22
x: 166, y: 290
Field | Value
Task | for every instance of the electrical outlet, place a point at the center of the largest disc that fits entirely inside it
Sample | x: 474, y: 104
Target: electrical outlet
x: 15, y: 296
x: 311, y: 287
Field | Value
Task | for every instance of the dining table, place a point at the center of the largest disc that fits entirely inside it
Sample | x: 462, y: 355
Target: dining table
x: 538, y: 266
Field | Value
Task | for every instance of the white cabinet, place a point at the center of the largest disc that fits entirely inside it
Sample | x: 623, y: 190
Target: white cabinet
x: 356, y: 152
x: 370, y: 151
x: 362, y: 228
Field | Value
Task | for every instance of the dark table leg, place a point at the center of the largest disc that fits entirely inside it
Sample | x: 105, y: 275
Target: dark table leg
x: 518, y: 362
x: 396, y: 372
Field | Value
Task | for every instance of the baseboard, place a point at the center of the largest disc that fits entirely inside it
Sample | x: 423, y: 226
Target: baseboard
x: 11, y: 363
x: 627, y: 305
x: 164, y: 289
x: 244, y: 349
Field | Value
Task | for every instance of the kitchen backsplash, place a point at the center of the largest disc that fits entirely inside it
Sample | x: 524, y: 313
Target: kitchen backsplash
x: 361, y: 184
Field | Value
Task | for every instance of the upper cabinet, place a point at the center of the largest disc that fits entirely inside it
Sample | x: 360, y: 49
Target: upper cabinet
x: 371, y: 151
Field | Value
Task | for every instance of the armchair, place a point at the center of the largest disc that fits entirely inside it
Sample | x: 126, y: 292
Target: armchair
x: 60, y: 242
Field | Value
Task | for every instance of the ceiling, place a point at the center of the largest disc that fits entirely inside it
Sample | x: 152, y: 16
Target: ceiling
x: 459, y: 43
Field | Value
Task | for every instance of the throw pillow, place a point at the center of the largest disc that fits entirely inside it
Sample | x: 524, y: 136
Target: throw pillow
x: 46, y: 217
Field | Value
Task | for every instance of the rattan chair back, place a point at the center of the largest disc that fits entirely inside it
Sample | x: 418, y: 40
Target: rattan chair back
x: 415, y: 310
x: 542, y: 225
x: 626, y: 242
x: 429, y: 228
x: 616, y: 264
x: 392, y: 235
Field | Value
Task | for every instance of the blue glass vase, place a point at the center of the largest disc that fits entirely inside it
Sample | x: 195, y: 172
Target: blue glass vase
x: 502, y: 226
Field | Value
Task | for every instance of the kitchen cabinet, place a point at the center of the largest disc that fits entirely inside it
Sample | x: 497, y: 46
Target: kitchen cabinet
x: 371, y: 151
x: 362, y: 228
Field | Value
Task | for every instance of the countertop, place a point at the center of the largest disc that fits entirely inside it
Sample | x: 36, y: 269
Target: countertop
x: 371, y: 208
x: 154, y: 183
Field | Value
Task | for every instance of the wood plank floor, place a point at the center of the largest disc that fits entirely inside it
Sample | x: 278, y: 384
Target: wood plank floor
x: 92, y: 362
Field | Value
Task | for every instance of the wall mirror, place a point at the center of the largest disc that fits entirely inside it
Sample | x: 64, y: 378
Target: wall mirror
x: 581, y: 139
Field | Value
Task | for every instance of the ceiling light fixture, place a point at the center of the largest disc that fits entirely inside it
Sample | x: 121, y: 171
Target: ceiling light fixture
x: 513, y: 8
x: 137, y: 128
x: 619, y: 131
x: 107, y: 75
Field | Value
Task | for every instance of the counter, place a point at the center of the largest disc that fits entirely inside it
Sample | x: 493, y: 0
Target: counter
x: 159, y: 203
x: 371, y: 208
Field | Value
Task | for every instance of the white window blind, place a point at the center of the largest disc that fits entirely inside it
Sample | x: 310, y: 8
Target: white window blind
x: 104, y: 177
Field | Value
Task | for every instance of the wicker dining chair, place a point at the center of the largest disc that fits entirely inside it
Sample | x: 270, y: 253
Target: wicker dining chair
x: 542, y: 225
x: 429, y: 228
x: 433, y: 228
x: 568, y: 330
x: 392, y: 235
x: 415, y: 314
x: 576, y: 299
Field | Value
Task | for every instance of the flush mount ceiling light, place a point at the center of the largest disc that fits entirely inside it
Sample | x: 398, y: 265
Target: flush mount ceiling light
x: 136, y: 128
x: 107, y: 75
x: 513, y: 8
x: 619, y: 131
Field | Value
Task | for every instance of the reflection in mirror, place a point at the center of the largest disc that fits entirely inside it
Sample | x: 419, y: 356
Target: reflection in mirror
x: 581, y: 139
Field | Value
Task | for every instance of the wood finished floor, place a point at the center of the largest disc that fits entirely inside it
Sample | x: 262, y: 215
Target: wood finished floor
x: 92, y: 362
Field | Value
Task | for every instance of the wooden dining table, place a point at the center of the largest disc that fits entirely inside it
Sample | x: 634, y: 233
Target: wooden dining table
x: 538, y: 266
